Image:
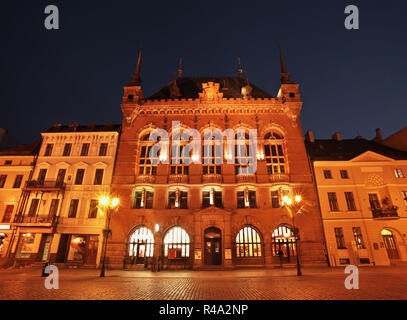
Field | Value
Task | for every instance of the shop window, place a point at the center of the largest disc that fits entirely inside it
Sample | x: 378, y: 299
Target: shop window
x: 176, y: 243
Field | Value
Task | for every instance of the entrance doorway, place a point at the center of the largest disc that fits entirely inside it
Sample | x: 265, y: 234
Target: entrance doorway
x: 141, y: 245
x: 390, y: 244
x: 213, y: 246
x: 284, y: 244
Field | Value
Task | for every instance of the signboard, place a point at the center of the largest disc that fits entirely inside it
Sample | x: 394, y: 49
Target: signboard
x: 198, y: 254
x: 228, y: 254
x: 174, y: 253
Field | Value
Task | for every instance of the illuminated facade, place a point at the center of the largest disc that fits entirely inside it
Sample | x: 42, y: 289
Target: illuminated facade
x: 211, y: 211
x: 57, y: 218
x: 16, y: 166
x: 362, y: 188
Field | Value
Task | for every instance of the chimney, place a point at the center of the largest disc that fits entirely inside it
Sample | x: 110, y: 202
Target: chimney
x: 309, y: 136
x: 378, y: 135
x: 337, y: 136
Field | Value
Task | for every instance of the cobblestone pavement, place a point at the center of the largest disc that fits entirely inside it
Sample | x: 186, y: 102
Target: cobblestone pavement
x: 264, y: 284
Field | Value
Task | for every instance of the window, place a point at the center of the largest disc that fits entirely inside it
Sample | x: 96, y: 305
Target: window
x: 145, y: 162
x: 73, y: 208
x: 246, y: 199
x: 98, y: 176
x: 79, y: 176
x: 350, y: 201
x: 283, y: 240
x: 61, y: 177
x: 93, y: 209
x: 7, y: 213
x: 8, y: 162
x: 340, y: 241
x: 374, y: 201
x: 143, y: 199
x: 103, y: 149
x: 3, y: 178
x: 67, y: 149
x: 344, y: 174
x: 274, y: 154
x: 333, y: 201
x: 212, y: 198
x: 177, y: 199
x: 248, y: 243
x: 33, y: 207
x: 180, y: 154
x: 176, y: 243
x: 212, y: 153
x: 398, y: 173
x: 41, y: 176
x: 141, y: 243
x: 85, y: 150
x: 275, y: 201
x: 404, y: 194
x: 48, y: 149
x: 327, y: 174
x: 53, y: 209
x: 179, y: 169
x: 17, y: 181
x: 357, y: 233
x: 244, y: 151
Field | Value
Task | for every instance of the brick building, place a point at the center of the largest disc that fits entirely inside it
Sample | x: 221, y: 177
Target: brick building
x: 214, y: 211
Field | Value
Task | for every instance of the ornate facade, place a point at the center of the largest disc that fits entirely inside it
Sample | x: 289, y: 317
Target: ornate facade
x: 211, y: 212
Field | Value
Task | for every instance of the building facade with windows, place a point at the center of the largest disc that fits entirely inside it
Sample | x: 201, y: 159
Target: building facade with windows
x: 16, y: 166
x: 362, y: 188
x: 58, y: 218
x: 214, y: 209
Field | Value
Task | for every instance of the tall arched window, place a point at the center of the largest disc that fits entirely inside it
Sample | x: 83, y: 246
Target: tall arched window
x: 180, y: 154
x: 146, y: 164
x: 141, y: 243
x: 176, y: 243
x: 248, y: 243
x: 212, y: 153
x: 274, y: 153
x: 285, y: 241
x: 245, y: 149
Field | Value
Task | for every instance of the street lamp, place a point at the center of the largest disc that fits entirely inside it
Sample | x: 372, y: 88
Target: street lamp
x: 109, y: 204
x: 295, y: 205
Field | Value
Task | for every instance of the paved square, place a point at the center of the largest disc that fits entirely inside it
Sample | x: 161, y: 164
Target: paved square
x: 254, y: 284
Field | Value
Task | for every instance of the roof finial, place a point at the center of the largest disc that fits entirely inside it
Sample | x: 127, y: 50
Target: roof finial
x: 285, y: 76
x: 135, y: 78
x: 180, y: 68
x: 239, y: 68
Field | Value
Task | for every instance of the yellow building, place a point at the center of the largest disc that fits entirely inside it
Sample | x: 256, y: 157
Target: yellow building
x: 16, y: 166
x: 362, y: 189
x: 58, y: 218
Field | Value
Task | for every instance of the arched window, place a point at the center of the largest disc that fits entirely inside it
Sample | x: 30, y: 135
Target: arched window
x: 147, y: 164
x: 141, y: 244
x: 248, y: 243
x: 212, y: 153
x: 244, y: 150
x: 285, y: 241
x: 180, y: 154
x: 274, y: 153
x: 176, y: 243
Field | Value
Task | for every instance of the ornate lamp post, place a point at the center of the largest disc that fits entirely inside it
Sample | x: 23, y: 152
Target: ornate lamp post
x: 294, y: 207
x: 109, y: 204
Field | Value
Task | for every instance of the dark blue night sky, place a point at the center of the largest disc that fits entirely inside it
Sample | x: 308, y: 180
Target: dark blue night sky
x: 351, y: 81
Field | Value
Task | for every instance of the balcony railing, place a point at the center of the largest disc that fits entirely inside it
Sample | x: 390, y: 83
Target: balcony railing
x: 212, y: 178
x: 279, y: 177
x: 385, y: 213
x: 145, y: 178
x: 37, y: 219
x: 177, y: 178
x: 245, y: 178
x: 43, y: 185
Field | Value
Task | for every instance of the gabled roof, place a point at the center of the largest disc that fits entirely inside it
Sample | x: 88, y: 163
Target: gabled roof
x: 343, y: 150
x: 190, y: 87
x: 29, y: 149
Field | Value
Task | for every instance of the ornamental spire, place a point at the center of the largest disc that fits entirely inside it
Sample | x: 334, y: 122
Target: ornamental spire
x: 135, y: 78
x: 285, y: 76
x: 239, y: 68
x: 180, y: 68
